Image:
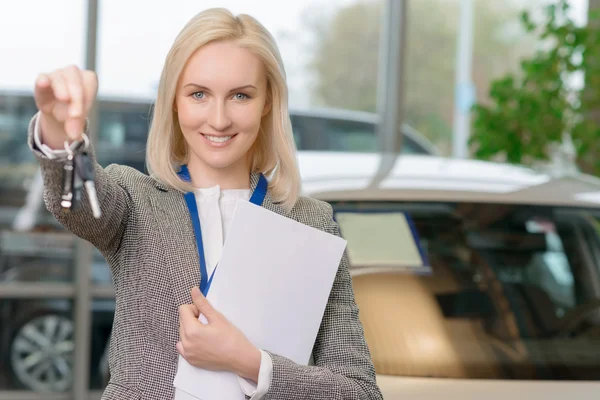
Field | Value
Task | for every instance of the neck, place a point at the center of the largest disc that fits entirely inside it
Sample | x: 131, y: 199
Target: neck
x: 234, y: 177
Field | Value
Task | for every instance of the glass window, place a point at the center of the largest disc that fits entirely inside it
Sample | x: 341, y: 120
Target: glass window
x: 36, y: 335
x: 299, y: 27
x: 512, y: 294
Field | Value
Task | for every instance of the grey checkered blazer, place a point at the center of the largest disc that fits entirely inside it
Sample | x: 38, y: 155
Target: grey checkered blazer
x: 147, y: 238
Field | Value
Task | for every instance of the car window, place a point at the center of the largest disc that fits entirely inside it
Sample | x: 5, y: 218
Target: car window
x: 512, y: 293
x: 333, y: 134
x: 546, y: 269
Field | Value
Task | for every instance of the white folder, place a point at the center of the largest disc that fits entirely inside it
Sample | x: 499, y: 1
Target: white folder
x: 272, y: 282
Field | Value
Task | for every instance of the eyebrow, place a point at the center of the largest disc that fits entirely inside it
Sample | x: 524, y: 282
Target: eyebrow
x: 232, y: 90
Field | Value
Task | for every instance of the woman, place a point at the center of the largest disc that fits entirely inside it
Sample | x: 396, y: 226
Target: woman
x: 220, y: 124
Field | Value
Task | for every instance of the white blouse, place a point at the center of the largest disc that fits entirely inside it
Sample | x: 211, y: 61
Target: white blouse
x: 215, y: 210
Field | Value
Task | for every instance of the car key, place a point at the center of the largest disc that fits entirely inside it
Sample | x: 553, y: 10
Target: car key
x: 68, y: 181
x: 84, y: 168
x: 72, y: 183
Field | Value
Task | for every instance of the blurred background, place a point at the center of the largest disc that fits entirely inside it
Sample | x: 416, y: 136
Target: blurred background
x: 425, y: 107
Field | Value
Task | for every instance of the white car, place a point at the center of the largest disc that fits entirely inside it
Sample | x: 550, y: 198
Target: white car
x: 500, y: 295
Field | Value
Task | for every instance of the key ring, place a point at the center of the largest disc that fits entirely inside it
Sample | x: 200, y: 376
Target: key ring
x: 69, y: 149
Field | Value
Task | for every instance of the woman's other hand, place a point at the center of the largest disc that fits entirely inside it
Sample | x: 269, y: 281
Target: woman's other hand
x: 216, y: 345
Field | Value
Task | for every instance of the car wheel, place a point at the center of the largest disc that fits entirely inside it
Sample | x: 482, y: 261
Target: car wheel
x: 41, y: 353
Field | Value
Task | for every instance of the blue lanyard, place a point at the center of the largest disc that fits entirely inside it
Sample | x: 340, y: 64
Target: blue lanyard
x: 257, y: 198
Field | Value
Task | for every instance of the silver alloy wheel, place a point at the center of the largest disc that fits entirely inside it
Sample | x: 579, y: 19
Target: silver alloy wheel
x: 42, y: 354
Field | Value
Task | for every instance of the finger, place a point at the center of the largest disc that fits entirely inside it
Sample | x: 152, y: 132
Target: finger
x: 44, y: 95
x: 180, y: 349
x: 202, y: 304
x: 90, y: 89
x: 76, y: 119
x: 59, y: 87
x: 183, y: 323
x: 74, y: 83
x: 188, y: 322
x: 74, y: 128
x: 182, y: 334
x: 187, y: 315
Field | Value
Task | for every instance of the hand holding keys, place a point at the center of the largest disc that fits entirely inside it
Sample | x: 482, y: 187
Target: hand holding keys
x: 78, y: 172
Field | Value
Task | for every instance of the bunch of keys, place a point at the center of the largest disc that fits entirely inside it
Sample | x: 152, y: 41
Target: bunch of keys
x: 78, y: 171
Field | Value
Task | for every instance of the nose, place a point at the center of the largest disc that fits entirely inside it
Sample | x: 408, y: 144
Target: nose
x: 218, y: 118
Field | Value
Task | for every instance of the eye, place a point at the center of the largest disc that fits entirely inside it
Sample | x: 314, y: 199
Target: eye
x: 198, y: 95
x: 241, y: 96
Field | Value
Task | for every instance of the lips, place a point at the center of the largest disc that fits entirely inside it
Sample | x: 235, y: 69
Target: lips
x: 218, y: 140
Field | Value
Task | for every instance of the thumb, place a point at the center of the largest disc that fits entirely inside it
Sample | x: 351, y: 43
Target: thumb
x: 202, y: 304
x: 180, y: 348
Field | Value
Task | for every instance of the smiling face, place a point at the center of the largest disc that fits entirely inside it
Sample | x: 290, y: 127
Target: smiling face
x: 220, y: 100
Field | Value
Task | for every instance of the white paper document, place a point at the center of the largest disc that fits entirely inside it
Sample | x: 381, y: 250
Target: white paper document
x: 272, y: 282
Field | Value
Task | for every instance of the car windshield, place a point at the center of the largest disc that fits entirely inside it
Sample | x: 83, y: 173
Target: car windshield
x: 512, y: 292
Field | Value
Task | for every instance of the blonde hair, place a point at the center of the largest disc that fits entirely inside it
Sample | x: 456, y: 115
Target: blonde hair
x: 274, y: 151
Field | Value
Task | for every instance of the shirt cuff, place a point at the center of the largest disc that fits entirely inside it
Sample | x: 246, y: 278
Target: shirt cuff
x: 47, y: 151
x: 265, y: 374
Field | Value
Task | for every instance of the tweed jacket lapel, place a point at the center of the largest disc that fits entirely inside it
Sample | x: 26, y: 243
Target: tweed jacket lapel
x: 268, y: 203
x: 179, y: 241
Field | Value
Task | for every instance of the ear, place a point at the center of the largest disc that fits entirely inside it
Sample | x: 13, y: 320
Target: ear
x: 267, y: 107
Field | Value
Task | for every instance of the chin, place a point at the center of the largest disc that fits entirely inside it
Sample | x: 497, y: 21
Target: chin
x: 219, y: 163
x: 219, y: 166
x: 222, y: 159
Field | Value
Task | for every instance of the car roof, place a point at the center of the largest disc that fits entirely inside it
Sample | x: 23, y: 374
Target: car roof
x: 336, y: 176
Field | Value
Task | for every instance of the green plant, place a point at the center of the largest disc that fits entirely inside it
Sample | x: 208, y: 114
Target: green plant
x: 534, y: 111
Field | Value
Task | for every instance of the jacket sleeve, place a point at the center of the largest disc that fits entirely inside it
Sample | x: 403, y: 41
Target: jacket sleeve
x: 343, y: 367
x: 104, y: 233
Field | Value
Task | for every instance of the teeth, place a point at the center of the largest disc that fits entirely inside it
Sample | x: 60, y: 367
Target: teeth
x: 218, y: 139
